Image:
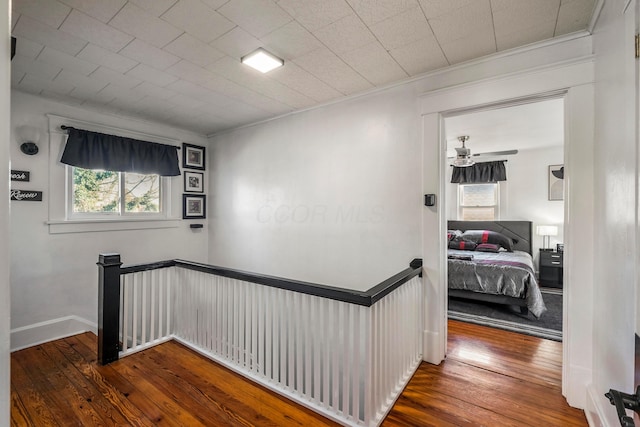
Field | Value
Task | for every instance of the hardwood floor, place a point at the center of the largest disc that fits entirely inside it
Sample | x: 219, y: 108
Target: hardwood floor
x: 490, y: 378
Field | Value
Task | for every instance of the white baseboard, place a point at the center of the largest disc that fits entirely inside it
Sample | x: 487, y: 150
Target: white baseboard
x: 599, y: 412
x: 39, y: 333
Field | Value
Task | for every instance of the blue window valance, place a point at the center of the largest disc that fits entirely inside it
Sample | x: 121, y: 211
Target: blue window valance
x: 480, y: 173
x: 93, y: 150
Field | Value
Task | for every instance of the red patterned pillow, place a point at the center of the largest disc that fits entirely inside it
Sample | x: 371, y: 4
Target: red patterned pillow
x: 462, y: 245
x: 488, y: 247
x: 488, y: 236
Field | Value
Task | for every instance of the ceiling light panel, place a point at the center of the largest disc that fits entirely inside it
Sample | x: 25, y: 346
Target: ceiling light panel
x: 262, y: 60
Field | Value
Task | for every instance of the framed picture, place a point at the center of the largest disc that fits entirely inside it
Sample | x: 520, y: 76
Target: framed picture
x: 194, y: 207
x: 193, y: 182
x: 192, y: 156
x: 556, y: 182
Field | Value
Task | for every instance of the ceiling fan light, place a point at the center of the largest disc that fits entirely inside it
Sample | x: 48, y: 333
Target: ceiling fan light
x: 463, y: 162
x: 262, y: 60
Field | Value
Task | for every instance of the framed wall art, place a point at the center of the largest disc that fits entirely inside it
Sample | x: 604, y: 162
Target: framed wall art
x: 193, y: 156
x: 556, y: 182
x: 194, y: 206
x: 193, y: 182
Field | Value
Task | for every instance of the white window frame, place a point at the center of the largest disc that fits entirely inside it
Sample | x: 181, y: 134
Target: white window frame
x: 496, y: 206
x: 59, y: 197
x: 122, y: 214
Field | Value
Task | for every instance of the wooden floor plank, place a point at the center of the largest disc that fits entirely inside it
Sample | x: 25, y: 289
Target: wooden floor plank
x: 490, y: 377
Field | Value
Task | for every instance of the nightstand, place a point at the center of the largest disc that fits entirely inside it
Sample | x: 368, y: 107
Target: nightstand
x: 551, y: 269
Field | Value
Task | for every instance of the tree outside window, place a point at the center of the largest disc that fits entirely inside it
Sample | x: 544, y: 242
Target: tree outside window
x: 107, y: 192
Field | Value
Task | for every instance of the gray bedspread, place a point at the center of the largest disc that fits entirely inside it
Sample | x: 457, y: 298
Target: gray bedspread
x: 502, y: 273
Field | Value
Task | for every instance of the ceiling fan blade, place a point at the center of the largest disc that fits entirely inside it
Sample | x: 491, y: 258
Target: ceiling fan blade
x: 497, y: 153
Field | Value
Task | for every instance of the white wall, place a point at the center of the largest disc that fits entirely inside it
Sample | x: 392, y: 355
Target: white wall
x: 54, y: 275
x: 524, y: 196
x: 4, y: 214
x: 279, y: 188
x: 615, y: 228
x: 329, y: 196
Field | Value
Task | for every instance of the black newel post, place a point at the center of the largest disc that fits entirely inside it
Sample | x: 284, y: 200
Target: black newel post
x: 108, y: 307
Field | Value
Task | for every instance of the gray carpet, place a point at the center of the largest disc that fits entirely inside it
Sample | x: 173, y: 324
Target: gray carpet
x: 549, y: 325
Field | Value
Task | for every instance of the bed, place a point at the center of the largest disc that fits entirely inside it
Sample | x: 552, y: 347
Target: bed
x: 502, y: 277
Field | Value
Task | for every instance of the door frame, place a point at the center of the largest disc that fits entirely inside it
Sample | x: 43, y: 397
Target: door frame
x: 574, y: 82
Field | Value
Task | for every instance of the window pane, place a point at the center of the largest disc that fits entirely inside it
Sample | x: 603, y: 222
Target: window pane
x: 478, y: 195
x: 478, y: 214
x: 141, y: 193
x: 95, y: 191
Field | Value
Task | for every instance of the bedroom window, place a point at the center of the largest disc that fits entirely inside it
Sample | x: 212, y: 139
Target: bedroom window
x: 95, y: 193
x: 478, y: 202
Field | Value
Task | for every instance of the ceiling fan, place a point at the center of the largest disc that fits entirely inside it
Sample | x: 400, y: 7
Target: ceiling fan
x: 463, y: 154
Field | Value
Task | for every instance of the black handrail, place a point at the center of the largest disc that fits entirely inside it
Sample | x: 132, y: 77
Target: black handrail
x: 110, y: 269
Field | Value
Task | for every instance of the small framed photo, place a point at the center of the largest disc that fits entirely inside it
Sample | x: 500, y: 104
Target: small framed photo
x: 193, y: 182
x: 556, y: 182
x: 192, y: 156
x: 194, y: 207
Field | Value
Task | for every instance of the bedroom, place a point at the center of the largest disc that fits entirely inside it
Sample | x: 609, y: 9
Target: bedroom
x: 529, y: 138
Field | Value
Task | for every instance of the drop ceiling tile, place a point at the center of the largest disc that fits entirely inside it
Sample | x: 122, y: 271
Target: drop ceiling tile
x: 375, y: 64
x: 512, y: 15
x: 233, y: 70
x: 90, y: 29
x: 290, y: 41
x: 402, y: 29
x: 257, y: 17
x: 184, y: 101
x: 101, y: 56
x: 420, y: 56
x: 304, y: 82
x: 236, y: 43
x: 39, y: 70
x: 84, y: 83
x: 116, y: 78
x: 48, y: 12
x: 121, y: 93
x: 149, y: 55
x: 154, y: 7
x: 30, y: 86
x: 150, y: 74
x: 64, y: 60
x: 315, y: 14
x: 344, y: 35
x: 135, y: 21
x: 155, y: 91
x: 102, y: 10
x: 16, y: 77
x: 193, y: 50
x: 373, y: 12
x: 246, y: 95
x: 574, y: 15
x: 28, y: 48
x: 190, y: 72
x: 471, y: 47
x: 32, y: 83
x: 65, y: 99
x: 435, y: 8
x: 201, y: 93
x: 197, y: 19
x: 463, y: 23
x: 326, y: 66
x: 14, y: 20
x: 524, y: 36
x: 47, y: 36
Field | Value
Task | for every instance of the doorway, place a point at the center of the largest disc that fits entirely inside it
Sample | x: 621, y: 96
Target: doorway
x: 572, y: 82
x: 527, y: 141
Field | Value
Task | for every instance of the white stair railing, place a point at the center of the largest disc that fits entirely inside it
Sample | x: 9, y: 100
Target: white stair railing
x: 346, y: 360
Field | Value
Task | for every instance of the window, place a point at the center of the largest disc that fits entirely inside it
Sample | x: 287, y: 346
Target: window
x: 478, y: 202
x: 95, y: 193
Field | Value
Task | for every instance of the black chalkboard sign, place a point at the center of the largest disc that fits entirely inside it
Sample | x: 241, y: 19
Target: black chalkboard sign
x: 17, y: 175
x: 26, y: 196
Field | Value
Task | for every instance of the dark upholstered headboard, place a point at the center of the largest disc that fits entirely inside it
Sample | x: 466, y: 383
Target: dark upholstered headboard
x: 517, y: 230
